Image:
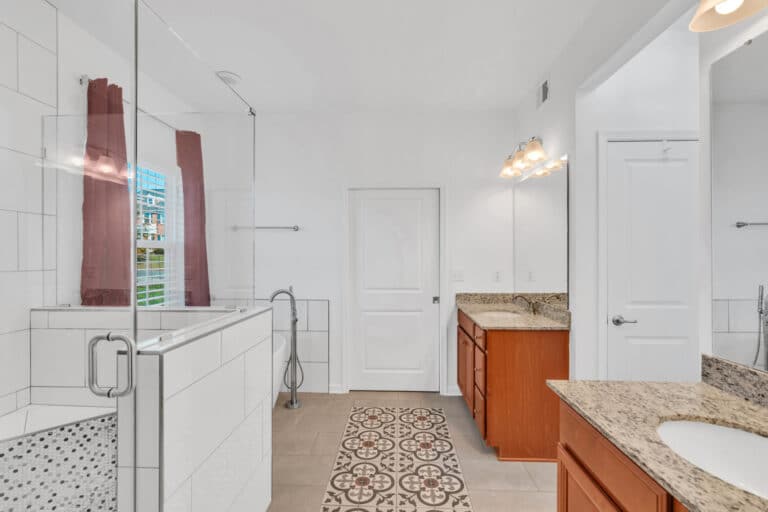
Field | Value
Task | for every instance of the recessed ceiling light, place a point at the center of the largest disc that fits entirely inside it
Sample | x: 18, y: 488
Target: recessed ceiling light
x: 229, y: 77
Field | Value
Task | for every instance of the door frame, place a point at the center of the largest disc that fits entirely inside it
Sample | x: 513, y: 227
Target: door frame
x: 347, y: 292
x: 603, y: 139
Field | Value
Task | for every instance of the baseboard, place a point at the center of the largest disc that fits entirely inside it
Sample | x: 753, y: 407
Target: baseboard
x: 336, y: 389
x: 452, y: 391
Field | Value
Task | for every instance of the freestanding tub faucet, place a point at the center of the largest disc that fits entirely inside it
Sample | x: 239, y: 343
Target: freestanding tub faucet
x: 294, y: 365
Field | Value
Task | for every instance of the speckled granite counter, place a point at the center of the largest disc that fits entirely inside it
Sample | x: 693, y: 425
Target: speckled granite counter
x: 628, y: 414
x: 488, y: 311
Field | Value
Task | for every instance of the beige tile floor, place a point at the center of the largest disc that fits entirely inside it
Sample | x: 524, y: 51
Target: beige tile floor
x: 306, y: 440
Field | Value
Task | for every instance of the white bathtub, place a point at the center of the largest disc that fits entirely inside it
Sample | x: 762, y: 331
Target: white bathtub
x: 280, y: 353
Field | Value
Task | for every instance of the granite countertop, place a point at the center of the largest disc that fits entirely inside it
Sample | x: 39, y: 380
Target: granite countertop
x: 628, y: 414
x: 490, y: 311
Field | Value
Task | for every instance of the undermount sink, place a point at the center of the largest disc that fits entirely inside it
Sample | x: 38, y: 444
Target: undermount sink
x: 731, y: 454
x: 498, y: 316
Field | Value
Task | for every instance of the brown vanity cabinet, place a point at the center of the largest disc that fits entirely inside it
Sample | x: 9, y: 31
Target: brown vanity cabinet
x: 502, y: 376
x: 595, y: 476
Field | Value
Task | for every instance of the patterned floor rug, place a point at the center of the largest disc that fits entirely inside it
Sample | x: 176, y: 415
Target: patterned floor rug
x: 396, y: 459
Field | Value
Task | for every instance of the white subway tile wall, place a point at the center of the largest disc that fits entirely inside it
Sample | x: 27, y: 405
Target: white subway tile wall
x: 59, y: 339
x: 28, y: 85
x: 215, y: 423
x: 735, y: 330
x: 313, y: 338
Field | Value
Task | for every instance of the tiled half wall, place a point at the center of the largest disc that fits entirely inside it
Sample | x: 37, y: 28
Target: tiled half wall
x: 312, y: 337
x: 59, y: 340
x: 203, y: 438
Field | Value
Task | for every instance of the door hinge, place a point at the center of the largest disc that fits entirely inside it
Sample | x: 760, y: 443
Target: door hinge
x: 435, y: 300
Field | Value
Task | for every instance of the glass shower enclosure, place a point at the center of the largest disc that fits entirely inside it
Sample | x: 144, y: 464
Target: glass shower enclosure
x: 128, y: 175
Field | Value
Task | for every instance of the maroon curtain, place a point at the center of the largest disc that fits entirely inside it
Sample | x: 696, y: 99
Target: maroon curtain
x: 105, y: 278
x: 189, y: 157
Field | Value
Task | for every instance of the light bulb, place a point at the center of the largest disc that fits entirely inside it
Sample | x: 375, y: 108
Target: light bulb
x: 728, y: 6
x: 534, y: 151
x: 519, y: 160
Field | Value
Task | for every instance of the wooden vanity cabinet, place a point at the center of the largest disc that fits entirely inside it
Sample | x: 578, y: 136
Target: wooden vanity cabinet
x: 502, y: 376
x: 595, y: 476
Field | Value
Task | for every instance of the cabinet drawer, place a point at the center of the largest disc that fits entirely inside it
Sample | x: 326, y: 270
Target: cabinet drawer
x: 480, y: 412
x: 467, y: 324
x: 626, y: 484
x: 480, y: 369
x: 480, y: 337
x: 576, y: 490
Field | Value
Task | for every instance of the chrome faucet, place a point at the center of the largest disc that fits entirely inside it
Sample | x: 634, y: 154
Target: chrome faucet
x: 531, y: 304
x: 294, y: 365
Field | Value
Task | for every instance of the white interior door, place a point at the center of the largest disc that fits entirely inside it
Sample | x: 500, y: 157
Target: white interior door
x: 651, y: 224
x: 394, y: 262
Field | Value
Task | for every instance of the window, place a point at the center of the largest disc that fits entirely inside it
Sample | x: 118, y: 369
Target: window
x: 159, y: 257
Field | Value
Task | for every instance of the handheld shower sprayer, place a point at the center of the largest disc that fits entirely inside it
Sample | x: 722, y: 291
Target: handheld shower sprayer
x: 294, y: 365
x: 761, y: 317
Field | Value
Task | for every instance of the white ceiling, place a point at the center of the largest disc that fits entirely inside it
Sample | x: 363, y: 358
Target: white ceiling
x: 742, y: 77
x: 349, y: 54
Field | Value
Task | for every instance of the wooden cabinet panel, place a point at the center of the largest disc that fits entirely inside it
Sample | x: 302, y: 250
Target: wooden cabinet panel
x: 576, y: 490
x: 467, y: 324
x: 479, y: 376
x: 466, y: 368
x: 479, y: 336
x: 678, y: 507
x: 461, y: 355
x: 627, y: 485
x: 523, y: 413
x: 480, y: 411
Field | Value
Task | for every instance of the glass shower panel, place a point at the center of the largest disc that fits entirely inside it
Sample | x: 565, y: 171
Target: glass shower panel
x: 195, y: 177
x: 194, y: 267
x: 66, y: 151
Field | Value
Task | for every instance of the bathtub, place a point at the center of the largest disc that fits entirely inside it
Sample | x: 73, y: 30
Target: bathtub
x: 280, y: 353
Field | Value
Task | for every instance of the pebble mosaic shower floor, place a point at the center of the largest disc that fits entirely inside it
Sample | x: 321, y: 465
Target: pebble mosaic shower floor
x: 396, y: 459
x: 70, y: 468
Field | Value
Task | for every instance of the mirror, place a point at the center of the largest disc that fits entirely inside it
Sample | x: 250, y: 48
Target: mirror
x: 739, y: 204
x: 541, y: 234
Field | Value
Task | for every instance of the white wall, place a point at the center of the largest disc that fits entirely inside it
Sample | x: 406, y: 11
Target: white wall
x: 305, y: 163
x: 656, y: 91
x: 612, y: 35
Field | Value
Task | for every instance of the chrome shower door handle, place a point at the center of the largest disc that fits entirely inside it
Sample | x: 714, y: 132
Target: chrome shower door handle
x: 130, y: 349
x: 619, y: 320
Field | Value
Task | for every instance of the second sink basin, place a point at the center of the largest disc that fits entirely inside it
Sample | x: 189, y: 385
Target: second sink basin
x: 498, y: 316
x: 736, y: 456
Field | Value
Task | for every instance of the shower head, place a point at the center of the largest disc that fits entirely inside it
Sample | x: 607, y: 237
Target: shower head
x: 229, y: 77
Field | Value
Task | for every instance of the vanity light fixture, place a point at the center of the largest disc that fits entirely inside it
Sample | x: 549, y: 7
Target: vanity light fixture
x: 716, y: 14
x: 509, y: 170
x: 534, y: 151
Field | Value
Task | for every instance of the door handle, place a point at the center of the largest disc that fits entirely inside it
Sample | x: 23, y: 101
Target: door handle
x: 130, y: 384
x: 619, y: 320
